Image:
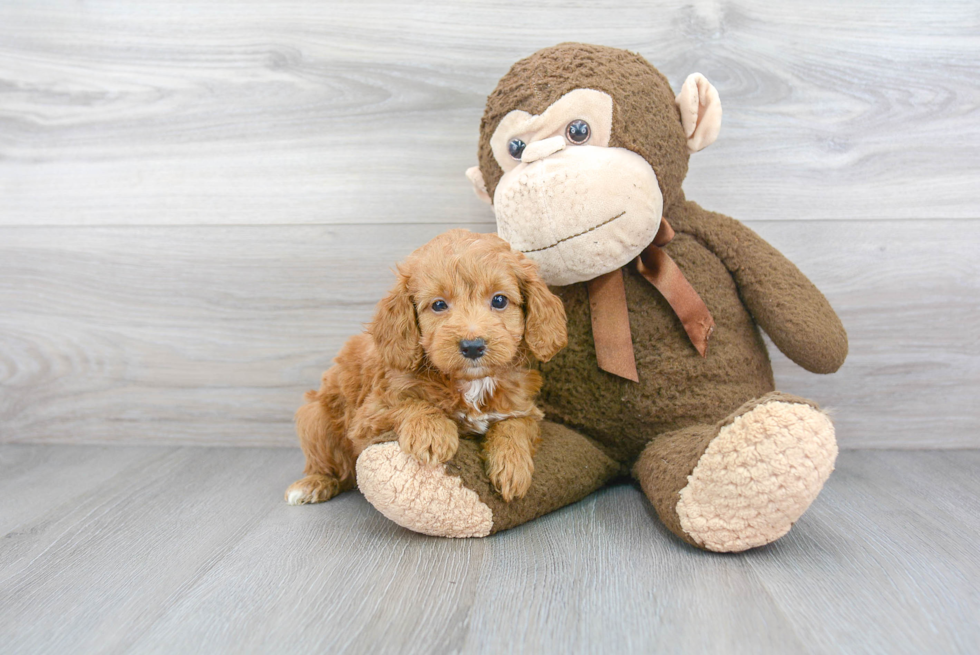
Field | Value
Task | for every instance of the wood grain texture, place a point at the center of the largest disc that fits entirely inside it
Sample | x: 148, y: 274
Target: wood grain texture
x: 193, y: 550
x: 918, y: 513
x: 209, y: 335
x: 187, y: 112
x: 908, y: 294
x: 198, y: 205
x: 191, y: 335
x: 74, y: 472
x: 130, y: 545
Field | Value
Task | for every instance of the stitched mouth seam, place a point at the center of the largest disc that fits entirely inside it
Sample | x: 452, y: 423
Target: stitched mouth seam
x: 595, y: 227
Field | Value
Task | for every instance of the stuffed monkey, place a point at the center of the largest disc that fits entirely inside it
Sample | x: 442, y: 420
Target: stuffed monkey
x: 582, y: 153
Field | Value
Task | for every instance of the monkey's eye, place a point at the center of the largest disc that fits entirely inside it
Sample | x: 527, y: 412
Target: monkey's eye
x: 499, y: 301
x: 440, y: 306
x: 578, y: 132
x: 516, y: 148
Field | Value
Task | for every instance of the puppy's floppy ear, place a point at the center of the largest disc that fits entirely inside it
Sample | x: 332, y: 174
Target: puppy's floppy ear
x: 395, y: 328
x: 545, y: 331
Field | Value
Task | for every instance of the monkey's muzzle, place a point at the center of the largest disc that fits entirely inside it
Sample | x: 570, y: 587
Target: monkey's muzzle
x: 579, y: 212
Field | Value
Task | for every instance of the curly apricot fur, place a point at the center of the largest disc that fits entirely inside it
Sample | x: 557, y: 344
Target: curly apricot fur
x: 406, y: 378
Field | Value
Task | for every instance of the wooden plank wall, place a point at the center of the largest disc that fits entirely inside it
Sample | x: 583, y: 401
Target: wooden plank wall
x: 200, y: 200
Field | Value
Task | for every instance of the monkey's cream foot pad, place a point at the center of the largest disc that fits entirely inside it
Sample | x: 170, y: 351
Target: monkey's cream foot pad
x: 418, y: 496
x: 758, y: 476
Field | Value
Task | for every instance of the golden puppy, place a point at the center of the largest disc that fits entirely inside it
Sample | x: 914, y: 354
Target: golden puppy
x: 448, y: 354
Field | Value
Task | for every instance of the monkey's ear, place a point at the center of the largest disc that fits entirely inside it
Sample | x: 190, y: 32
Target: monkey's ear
x: 475, y: 176
x: 545, y: 330
x: 395, y: 329
x: 700, y: 111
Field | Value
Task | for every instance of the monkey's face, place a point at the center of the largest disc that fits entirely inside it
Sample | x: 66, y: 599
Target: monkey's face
x: 566, y: 199
x: 582, y: 147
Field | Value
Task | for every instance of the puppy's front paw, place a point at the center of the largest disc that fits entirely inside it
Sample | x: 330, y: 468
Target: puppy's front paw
x: 431, y: 439
x: 510, y: 467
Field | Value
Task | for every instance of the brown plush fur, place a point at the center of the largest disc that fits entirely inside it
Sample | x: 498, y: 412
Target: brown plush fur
x: 645, y: 119
x: 746, y: 283
x: 567, y: 468
x: 677, y: 387
x: 664, y: 467
x: 406, y: 378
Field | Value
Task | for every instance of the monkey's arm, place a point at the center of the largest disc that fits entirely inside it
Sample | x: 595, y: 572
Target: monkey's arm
x: 782, y: 300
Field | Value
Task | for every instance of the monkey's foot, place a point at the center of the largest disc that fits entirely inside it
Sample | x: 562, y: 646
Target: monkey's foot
x: 756, y: 475
x: 420, y: 497
x: 458, y: 499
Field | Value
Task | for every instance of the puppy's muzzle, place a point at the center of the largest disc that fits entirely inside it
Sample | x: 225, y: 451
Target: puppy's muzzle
x: 472, y: 348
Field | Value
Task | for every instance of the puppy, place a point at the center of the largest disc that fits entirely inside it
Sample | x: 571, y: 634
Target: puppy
x: 449, y: 353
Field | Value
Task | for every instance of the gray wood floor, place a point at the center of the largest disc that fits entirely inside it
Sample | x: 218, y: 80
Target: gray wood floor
x: 190, y: 549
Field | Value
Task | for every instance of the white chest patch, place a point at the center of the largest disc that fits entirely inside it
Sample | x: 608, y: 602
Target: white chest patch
x: 476, y: 392
x: 476, y: 423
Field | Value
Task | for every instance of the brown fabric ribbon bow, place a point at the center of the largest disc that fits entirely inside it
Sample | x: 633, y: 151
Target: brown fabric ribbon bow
x: 610, y: 317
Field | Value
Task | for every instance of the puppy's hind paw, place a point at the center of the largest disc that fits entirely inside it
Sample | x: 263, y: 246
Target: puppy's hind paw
x: 312, y: 489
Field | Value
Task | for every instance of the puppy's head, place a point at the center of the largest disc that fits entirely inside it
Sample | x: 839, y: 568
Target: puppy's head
x: 469, y: 305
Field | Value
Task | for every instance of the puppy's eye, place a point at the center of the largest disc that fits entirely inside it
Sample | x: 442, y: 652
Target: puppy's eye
x: 516, y: 148
x: 499, y: 301
x: 578, y: 132
x: 440, y: 306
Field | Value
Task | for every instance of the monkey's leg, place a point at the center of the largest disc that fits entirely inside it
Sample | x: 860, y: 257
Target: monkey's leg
x: 457, y: 499
x: 744, y: 481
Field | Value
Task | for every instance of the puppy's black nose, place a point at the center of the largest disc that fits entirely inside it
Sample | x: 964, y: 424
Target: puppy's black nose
x: 472, y: 348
